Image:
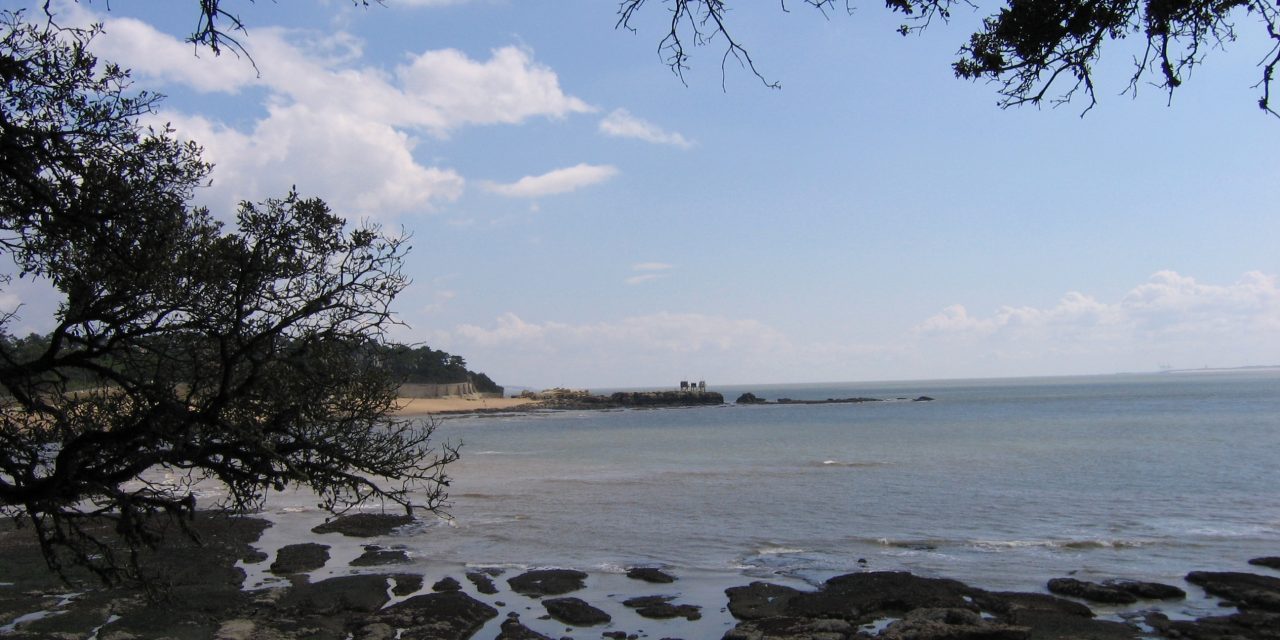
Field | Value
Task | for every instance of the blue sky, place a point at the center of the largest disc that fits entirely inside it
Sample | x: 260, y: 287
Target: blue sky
x: 581, y: 217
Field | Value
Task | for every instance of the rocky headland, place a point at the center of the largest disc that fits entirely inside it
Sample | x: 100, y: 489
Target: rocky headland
x: 198, y: 593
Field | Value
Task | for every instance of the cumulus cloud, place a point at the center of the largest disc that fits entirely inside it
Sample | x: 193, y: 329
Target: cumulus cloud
x: 329, y: 121
x: 621, y: 124
x: 555, y: 182
x: 1169, y: 319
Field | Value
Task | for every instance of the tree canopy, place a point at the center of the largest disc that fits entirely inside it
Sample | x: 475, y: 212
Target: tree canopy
x: 183, y: 351
x: 1033, y: 50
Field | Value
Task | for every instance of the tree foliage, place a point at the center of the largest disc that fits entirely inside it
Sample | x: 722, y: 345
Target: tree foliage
x: 1029, y: 48
x: 183, y: 351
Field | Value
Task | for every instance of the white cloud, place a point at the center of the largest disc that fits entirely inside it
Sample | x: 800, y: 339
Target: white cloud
x: 1170, y: 319
x: 621, y: 124
x: 555, y: 182
x: 339, y: 130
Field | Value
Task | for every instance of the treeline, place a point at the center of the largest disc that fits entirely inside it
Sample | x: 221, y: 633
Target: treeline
x: 401, y: 362
x: 426, y: 365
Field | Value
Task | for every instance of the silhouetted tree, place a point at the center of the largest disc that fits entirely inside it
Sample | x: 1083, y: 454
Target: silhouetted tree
x: 182, y: 351
x: 1026, y: 46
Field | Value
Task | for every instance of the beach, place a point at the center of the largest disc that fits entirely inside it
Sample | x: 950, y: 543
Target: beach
x: 415, y: 407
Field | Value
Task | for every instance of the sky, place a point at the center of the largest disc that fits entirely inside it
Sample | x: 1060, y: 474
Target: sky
x: 580, y: 216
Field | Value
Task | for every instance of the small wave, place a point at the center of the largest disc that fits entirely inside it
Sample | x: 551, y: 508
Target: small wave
x: 778, y: 551
x: 1000, y: 545
x: 848, y: 464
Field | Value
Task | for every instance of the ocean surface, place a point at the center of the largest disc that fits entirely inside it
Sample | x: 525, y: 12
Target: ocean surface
x: 999, y: 483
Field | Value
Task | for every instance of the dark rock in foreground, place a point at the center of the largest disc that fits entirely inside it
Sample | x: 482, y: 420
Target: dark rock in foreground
x: 650, y: 574
x: 1254, y: 625
x: 1245, y: 590
x: 1090, y: 591
x: 437, y: 616
x: 575, y: 611
x: 1148, y: 590
x: 484, y: 584
x: 547, y: 582
x: 363, y: 593
x: 446, y: 584
x: 939, y: 624
x: 364, y: 525
x: 377, y: 557
x: 300, y: 558
x: 929, y: 608
x: 513, y: 629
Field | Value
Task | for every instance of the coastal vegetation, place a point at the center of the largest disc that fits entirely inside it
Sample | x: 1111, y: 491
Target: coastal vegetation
x: 182, y: 350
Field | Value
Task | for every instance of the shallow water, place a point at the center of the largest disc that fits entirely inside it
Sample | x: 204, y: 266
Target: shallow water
x: 1002, y: 484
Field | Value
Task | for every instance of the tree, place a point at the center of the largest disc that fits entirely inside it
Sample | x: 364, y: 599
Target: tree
x: 1028, y: 47
x: 182, y: 351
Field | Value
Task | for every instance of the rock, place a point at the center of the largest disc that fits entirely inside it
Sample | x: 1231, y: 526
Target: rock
x: 1271, y: 562
x: 300, y: 558
x: 547, y: 582
x: 1013, y: 606
x: 666, y: 611
x: 1245, y: 590
x: 784, y: 628
x: 376, y: 631
x: 750, y: 398
x: 484, y: 584
x: 923, y: 399
x: 881, y: 593
x: 437, y: 616
x: 362, y: 593
x: 446, y: 584
x: 364, y: 525
x: 406, y: 584
x: 650, y: 574
x: 951, y: 624
x: 760, y: 600
x: 575, y: 611
x: 1090, y: 591
x: 1251, y: 625
x: 379, y: 557
x: 1147, y: 590
x: 1052, y: 618
x: 513, y: 629
x: 646, y: 601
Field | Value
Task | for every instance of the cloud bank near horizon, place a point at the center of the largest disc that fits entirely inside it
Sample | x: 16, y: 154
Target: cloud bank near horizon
x: 1171, y: 319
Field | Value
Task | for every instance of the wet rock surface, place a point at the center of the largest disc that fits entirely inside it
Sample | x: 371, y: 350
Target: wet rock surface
x: 650, y: 574
x: 1245, y: 590
x: 547, y: 582
x: 374, y: 557
x: 1091, y: 591
x: 575, y: 611
x: 364, y: 525
x: 203, y: 601
x: 1271, y: 562
x: 482, y: 581
x: 300, y: 558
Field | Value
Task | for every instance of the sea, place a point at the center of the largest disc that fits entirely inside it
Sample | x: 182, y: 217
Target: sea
x: 1002, y: 483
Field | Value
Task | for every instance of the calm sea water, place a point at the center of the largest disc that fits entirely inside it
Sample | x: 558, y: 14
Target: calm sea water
x: 1001, y: 483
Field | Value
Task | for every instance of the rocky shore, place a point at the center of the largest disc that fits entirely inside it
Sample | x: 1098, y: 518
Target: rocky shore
x: 201, y: 592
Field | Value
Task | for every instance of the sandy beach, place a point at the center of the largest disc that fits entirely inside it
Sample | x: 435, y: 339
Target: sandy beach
x: 412, y: 407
